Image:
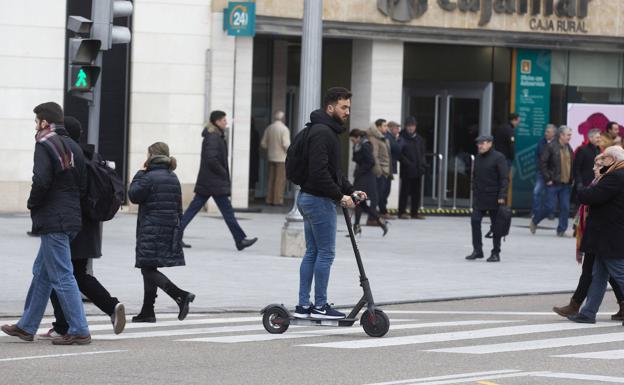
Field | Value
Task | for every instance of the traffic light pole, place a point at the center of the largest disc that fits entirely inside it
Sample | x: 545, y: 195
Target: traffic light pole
x: 93, y: 134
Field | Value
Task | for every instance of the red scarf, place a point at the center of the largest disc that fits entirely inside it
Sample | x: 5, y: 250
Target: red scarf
x: 60, y: 150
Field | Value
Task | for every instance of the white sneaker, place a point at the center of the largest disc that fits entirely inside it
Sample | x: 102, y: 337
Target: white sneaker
x: 119, y: 318
x: 50, y: 335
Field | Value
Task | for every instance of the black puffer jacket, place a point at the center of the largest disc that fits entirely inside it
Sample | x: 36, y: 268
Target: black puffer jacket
x: 412, y: 155
x: 214, y: 175
x: 158, y: 193
x: 54, y: 201
x: 88, y: 242
x: 605, y: 222
x: 325, y: 176
x: 491, y: 180
x: 364, y: 178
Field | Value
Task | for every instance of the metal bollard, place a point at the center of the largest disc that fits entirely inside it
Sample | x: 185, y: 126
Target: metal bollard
x: 455, y: 186
x: 440, y: 180
x: 472, y: 165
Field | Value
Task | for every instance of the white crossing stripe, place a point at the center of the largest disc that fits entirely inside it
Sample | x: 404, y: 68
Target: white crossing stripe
x: 485, y: 312
x: 472, y: 380
x: 449, y: 377
x: 536, y: 344
x: 587, y: 377
x: 605, y: 355
x: 148, y: 325
x: 456, y: 336
x: 60, y: 355
x: 178, y: 332
x: 336, y: 331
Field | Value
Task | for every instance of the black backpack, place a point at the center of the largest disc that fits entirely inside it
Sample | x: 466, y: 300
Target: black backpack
x: 297, y: 158
x: 105, y: 191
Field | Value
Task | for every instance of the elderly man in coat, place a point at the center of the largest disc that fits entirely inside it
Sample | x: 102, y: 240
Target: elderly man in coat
x: 604, y: 230
x: 491, y: 180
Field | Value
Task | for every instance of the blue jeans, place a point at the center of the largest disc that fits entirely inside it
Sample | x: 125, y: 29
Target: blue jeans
x: 603, y: 268
x: 556, y: 193
x: 53, y: 270
x: 225, y: 207
x: 538, y: 193
x: 319, y: 222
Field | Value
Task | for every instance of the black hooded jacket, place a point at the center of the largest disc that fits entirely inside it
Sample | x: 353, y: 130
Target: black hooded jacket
x: 325, y: 177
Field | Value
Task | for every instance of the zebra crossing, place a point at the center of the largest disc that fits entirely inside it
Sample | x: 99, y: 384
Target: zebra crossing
x: 431, y: 332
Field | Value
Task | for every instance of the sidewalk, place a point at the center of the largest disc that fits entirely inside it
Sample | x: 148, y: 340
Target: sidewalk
x: 417, y: 260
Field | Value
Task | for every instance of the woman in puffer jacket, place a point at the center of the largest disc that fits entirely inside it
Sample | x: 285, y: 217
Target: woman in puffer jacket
x: 157, y: 191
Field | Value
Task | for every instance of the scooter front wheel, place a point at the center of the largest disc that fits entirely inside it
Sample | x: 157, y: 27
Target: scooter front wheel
x: 275, y: 320
x: 375, y: 325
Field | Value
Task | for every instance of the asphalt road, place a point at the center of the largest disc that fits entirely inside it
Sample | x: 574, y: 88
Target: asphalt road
x: 501, y: 341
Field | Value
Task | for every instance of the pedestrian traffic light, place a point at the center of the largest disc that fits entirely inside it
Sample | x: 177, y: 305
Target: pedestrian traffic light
x: 104, y: 12
x: 82, y: 53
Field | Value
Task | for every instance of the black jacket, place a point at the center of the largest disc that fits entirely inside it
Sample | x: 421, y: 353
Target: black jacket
x: 412, y: 155
x: 395, y: 151
x: 364, y: 178
x: 491, y: 180
x: 550, y: 163
x: 54, y: 201
x: 214, y: 175
x: 325, y: 177
x: 584, y: 164
x: 158, y: 235
x: 88, y: 242
x: 605, y: 222
x: 504, y: 141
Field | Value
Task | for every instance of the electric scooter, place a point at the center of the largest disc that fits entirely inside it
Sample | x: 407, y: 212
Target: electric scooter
x: 276, y: 318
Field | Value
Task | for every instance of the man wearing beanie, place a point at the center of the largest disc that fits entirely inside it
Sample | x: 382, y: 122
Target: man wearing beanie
x: 86, y: 245
x: 58, y: 183
x: 214, y: 180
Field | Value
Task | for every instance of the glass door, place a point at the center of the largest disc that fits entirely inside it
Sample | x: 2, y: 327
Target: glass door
x: 450, y: 119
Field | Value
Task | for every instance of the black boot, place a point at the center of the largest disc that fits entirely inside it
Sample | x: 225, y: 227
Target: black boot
x: 383, y: 224
x: 475, y: 255
x: 147, y: 311
x: 357, y: 229
x: 494, y: 257
x: 181, y: 297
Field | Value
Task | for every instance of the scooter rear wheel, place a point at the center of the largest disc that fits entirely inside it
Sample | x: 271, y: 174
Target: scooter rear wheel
x: 376, y: 325
x: 275, y: 320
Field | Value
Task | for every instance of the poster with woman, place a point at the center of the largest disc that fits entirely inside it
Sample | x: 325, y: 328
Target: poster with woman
x: 584, y: 117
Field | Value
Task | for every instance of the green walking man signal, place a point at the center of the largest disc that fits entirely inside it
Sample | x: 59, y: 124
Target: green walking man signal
x: 82, y: 79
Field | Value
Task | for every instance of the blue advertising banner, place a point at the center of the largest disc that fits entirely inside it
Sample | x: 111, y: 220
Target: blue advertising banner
x: 239, y: 18
x: 530, y: 100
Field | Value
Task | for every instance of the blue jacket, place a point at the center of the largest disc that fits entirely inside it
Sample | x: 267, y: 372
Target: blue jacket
x: 395, y: 151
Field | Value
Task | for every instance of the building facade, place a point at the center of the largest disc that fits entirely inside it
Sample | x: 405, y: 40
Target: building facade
x: 459, y: 66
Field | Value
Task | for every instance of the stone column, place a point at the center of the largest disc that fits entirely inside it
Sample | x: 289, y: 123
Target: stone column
x: 377, y: 86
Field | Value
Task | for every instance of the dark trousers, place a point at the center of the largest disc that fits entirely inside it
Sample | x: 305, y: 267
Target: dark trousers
x: 225, y: 207
x: 475, y: 223
x: 410, y: 188
x: 91, y: 288
x: 586, y: 279
x: 383, y: 189
x: 363, y: 206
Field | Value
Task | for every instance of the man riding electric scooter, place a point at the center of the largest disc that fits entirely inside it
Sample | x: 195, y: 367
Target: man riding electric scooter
x: 323, y: 187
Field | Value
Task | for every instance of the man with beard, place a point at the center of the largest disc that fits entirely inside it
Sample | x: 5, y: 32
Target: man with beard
x: 324, y: 186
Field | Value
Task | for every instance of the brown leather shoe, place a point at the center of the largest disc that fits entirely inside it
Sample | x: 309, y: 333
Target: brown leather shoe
x: 404, y: 216
x: 14, y: 331
x: 372, y: 223
x: 569, y: 310
x: 71, y: 339
x: 388, y: 216
x: 418, y: 216
x: 619, y: 316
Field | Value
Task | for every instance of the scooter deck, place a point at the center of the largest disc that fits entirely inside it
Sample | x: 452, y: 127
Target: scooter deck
x: 322, y: 322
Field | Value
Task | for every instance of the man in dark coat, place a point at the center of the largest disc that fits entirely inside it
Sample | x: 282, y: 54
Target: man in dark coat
x: 214, y: 180
x: 604, y: 231
x: 584, y: 160
x: 58, y: 183
x: 412, y: 169
x: 556, y: 166
x: 504, y: 140
x: 491, y: 180
x: 86, y: 245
